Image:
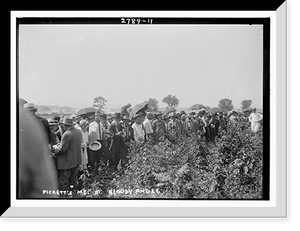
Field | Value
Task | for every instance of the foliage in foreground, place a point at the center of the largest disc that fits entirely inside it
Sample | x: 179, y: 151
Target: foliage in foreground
x: 230, y: 168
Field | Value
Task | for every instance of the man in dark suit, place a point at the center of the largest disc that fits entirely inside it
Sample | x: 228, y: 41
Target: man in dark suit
x: 127, y: 138
x: 68, y: 154
x: 116, y: 129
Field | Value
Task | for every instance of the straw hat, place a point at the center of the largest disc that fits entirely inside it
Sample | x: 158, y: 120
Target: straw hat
x: 95, y: 146
x: 30, y: 107
x: 52, y: 122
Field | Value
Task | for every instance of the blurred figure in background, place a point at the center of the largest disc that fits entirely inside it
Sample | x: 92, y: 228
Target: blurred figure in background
x: 37, y: 172
x: 255, y: 119
x: 127, y: 138
x: 31, y: 110
x: 147, y: 125
x: 159, y: 126
x: 117, y: 130
x: 138, y: 129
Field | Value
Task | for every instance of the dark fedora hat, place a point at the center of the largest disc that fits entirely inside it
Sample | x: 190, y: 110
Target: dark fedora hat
x: 117, y: 115
x: 68, y: 121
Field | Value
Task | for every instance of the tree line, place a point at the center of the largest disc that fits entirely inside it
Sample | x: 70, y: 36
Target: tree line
x: 172, y: 101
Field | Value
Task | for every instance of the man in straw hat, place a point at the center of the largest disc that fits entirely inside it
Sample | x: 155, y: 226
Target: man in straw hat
x: 68, y: 153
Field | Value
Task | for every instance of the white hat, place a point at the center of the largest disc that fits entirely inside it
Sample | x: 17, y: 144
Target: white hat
x: 29, y: 106
x: 94, y: 146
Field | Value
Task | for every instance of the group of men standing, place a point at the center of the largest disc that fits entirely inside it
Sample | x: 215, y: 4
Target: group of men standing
x: 69, y: 140
x: 112, y: 138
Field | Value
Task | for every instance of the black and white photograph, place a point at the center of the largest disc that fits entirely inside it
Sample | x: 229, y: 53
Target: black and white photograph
x: 139, y: 110
x: 143, y: 108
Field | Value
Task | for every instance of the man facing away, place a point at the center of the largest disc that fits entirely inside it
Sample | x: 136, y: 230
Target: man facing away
x: 68, y: 153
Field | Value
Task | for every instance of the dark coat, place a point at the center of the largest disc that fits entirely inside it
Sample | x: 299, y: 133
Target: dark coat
x: 115, y: 128
x: 36, y: 170
x: 69, y: 155
x: 129, y: 135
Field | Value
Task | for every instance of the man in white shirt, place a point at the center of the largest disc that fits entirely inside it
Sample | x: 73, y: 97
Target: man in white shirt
x: 255, y: 119
x: 138, y: 129
x: 95, y: 134
x: 147, y: 125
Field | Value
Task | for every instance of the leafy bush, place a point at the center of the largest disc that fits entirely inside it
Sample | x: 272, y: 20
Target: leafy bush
x: 229, y: 168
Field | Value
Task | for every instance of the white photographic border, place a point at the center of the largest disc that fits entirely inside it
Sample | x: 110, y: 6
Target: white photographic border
x: 275, y: 207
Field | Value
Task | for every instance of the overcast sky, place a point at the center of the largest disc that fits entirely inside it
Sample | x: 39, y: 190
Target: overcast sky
x: 69, y: 65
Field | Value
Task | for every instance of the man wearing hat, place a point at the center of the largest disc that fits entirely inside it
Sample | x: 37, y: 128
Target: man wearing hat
x: 148, y: 126
x: 138, y: 128
x: 68, y: 153
x: 116, y: 129
x: 255, y: 119
x: 158, y: 126
x: 31, y: 110
x: 127, y: 137
x: 108, y: 148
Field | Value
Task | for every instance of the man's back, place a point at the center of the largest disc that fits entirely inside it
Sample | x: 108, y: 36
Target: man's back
x: 69, y: 155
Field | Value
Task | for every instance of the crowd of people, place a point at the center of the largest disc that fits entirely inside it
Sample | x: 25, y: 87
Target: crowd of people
x: 76, y: 143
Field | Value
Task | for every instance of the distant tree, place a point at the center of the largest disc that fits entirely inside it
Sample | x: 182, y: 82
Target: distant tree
x: 67, y: 110
x: 43, y: 109
x: 225, y: 105
x: 246, y: 104
x: 171, y: 101
x: 99, y: 103
x: 152, y: 104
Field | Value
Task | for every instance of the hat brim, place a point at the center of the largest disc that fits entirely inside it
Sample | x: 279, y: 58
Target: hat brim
x: 53, y: 124
x: 73, y: 124
x: 31, y: 109
x: 95, y: 146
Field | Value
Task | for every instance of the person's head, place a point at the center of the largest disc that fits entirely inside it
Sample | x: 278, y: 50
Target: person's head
x: 202, y: 112
x: 125, y: 119
x: 117, y: 116
x: 103, y: 118
x: 83, y: 125
x: 158, y: 115
x: 149, y: 115
x: 30, y: 108
x: 254, y: 110
x: 138, y: 119
x: 67, y: 123
x: 109, y: 118
x: 143, y: 116
x: 53, y: 125
x: 97, y: 118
